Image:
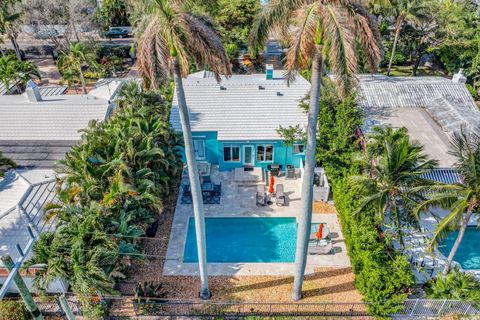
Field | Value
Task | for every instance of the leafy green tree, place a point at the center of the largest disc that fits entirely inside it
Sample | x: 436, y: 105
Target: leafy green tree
x: 396, y: 166
x: 322, y: 32
x: 10, y: 15
x: 5, y: 165
x: 170, y: 38
x: 462, y: 199
x: 405, y: 10
x: 16, y: 72
x: 235, y: 20
x: 73, y: 62
x: 114, y: 13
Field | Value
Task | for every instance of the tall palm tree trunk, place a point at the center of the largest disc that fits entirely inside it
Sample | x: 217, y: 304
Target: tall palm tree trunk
x: 195, y: 187
x: 305, y: 221
x: 82, y: 80
x: 16, y: 47
x: 395, y: 41
x: 461, y: 233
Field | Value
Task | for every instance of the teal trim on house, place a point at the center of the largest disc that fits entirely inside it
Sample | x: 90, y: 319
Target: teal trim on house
x: 229, y: 155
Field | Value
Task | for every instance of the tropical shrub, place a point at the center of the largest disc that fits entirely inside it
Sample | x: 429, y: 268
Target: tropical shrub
x: 13, y: 310
x: 5, y: 165
x: 110, y: 191
x: 456, y: 286
x: 381, y: 275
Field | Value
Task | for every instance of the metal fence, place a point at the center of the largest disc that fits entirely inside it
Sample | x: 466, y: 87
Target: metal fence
x: 158, y: 307
x: 242, y: 309
x: 436, y: 308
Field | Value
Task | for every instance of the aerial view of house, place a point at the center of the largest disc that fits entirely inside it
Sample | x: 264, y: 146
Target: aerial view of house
x: 239, y: 159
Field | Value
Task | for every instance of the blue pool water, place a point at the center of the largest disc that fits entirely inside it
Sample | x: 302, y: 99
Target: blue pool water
x: 245, y: 240
x: 468, y: 253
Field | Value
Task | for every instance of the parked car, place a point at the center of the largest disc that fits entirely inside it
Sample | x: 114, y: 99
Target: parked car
x: 47, y: 34
x: 116, y: 33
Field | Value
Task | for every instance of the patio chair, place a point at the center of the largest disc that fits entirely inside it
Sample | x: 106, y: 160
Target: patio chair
x: 280, y: 195
x: 217, y: 189
x: 322, y: 247
x: 261, y: 196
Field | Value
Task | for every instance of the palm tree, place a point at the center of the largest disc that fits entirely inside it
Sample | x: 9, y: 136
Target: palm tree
x: 5, y: 165
x: 322, y: 32
x: 405, y: 10
x: 73, y: 62
x: 8, y: 20
x: 397, y: 166
x: 14, y: 71
x: 462, y: 198
x: 171, y: 39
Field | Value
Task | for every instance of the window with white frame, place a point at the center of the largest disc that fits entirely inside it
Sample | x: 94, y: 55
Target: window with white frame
x: 231, y: 153
x: 199, y: 146
x: 265, y: 152
x: 298, y: 148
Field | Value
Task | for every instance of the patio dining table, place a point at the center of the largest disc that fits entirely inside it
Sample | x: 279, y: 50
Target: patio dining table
x: 207, y: 186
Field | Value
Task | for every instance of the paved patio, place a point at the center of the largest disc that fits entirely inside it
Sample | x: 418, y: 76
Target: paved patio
x: 239, y: 201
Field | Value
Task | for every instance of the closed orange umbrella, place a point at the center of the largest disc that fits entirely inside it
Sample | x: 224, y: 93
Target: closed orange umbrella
x: 271, y: 183
x: 319, y: 233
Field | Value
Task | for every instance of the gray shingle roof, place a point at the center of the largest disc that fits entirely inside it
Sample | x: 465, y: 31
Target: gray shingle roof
x: 36, y: 153
x: 23, y: 195
x: 242, y: 110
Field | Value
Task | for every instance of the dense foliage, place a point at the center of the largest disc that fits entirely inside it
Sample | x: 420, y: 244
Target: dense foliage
x: 14, y: 310
x: 16, y: 72
x: 114, y: 13
x: 382, y: 275
x: 440, y: 35
x: 456, y: 286
x: 5, y: 164
x: 110, y: 191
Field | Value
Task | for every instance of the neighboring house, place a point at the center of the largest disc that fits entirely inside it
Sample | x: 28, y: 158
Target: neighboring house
x: 23, y: 194
x: 38, y: 128
x: 234, y: 123
x: 431, y: 108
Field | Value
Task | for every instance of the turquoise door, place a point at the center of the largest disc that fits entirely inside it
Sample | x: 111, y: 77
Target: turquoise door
x: 248, y: 155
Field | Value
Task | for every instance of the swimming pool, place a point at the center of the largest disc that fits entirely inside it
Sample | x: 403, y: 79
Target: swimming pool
x: 468, y: 253
x: 245, y: 240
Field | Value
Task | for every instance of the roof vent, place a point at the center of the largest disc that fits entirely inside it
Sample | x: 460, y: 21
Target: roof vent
x: 223, y: 88
x: 459, y: 77
x: 269, y: 71
x: 261, y: 88
x: 32, y: 92
x: 279, y: 94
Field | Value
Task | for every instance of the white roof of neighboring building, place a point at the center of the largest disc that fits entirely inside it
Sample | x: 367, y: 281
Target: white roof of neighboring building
x: 431, y: 108
x: 242, y: 111
x: 53, y: 118
x: 380, y: 91
x: 23, y: 194
x: 108, y: 88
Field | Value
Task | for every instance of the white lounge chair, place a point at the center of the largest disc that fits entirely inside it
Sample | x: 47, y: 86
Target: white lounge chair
x: 280, y: 195
x: 261, y: 196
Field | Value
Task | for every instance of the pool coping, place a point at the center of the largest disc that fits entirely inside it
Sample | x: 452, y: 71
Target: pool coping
x: 175, y: 266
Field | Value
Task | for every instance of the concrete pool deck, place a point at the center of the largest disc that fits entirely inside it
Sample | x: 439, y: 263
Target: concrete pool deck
x: 239, y: 201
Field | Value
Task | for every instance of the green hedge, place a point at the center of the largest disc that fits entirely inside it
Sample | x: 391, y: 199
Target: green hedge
x: 13, y: 310
x: 381, y: 275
